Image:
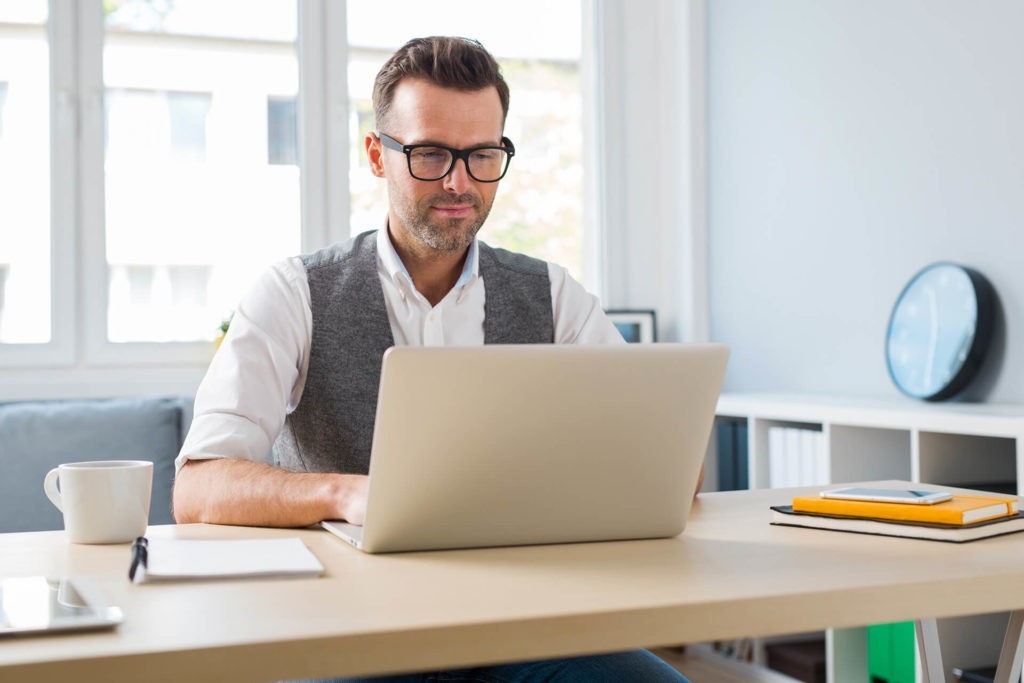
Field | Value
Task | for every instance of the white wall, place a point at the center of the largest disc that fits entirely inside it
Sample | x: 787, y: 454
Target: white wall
x: 851, y: 142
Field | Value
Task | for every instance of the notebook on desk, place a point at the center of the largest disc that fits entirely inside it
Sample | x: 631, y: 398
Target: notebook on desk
x: 521, y: 445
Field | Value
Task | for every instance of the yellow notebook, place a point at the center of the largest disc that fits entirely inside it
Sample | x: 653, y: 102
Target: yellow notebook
x: 962, y: 509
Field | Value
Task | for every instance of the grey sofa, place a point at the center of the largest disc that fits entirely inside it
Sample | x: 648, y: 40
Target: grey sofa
x: 36, y: 436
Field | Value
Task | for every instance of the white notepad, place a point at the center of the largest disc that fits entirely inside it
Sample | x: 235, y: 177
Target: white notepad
x: 175, y: 559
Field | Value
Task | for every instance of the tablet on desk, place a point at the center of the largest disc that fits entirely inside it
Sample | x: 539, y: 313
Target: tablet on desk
x: 33, y: 605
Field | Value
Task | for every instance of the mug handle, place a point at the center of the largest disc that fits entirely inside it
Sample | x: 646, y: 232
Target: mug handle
x: 50, y: 487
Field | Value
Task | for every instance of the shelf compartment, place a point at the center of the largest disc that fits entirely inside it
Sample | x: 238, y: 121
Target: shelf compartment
x: 759, y: 455
x: 966, y: 460
x: 866, y: 453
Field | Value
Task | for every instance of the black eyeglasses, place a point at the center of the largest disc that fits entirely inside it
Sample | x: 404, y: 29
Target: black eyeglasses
x: 432, y: 162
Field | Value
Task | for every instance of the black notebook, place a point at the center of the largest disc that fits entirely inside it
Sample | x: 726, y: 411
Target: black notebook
x: 783, y: 515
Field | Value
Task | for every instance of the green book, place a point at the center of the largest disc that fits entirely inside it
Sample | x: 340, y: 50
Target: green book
x: 891, y: 653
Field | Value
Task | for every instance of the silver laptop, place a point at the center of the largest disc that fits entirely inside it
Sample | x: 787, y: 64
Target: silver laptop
x: 519, y: 445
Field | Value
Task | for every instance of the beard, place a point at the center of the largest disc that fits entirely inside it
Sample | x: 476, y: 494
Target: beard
x: 443, y: 234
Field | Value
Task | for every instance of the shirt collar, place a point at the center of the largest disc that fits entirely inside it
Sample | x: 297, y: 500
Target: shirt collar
x: 389, y: 257
x: 471, y: 267
x: 392, y: 262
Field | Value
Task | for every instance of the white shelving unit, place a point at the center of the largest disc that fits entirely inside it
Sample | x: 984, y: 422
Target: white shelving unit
x: 954, y: 444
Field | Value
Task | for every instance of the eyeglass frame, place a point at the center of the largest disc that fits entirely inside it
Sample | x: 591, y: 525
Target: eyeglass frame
x: 505, y: 146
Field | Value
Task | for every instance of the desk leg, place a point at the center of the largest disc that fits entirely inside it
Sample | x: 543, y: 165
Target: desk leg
x: 1010, y: 657
x: 928, y: 644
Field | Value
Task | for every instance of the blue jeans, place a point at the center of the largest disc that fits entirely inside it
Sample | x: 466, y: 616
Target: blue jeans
x: 639, y: 666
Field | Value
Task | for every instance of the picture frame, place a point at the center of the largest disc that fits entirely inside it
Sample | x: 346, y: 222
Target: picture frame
x: 637, y: 326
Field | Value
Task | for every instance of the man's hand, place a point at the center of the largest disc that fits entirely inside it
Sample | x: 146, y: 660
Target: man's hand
x: 352, y: 499
x: 234, y: 491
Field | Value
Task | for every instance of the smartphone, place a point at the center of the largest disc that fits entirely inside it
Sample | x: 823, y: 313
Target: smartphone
x: 40, y: 604
x: 888, y: 495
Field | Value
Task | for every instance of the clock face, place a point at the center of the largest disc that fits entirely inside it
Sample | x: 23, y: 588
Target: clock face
x: 933, y: 345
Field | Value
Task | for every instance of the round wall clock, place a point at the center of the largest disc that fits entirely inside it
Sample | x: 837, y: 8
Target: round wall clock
x: 939, y: 331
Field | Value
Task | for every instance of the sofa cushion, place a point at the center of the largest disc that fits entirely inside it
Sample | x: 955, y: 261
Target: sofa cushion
x: 36, y: 436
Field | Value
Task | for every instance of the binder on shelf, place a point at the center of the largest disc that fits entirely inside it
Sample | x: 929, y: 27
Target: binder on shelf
x: 731, y: 445
x: 821, y: 467
x: 808, y: 476
x: 891, y: 652
x: 170, y: 559
x: 796, y: 457
x: 725, y: 434
x: 778, y: 470
x: 962, y: 509
x: 742, y: 455
x: 791, y: 452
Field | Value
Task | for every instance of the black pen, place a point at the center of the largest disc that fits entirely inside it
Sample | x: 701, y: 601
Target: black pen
x: 140, y: 555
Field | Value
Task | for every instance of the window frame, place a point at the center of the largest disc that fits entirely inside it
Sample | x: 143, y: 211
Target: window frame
x: 59, y: 351
x: 79, y: 323
x: 79, y: 288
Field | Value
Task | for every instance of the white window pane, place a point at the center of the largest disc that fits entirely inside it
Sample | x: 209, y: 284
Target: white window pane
x: 24, y: 173
x: 32, y: 12
x: 282, y: 131
x: 198, y: 200
x: 271, y: 20
x: 539, y: 208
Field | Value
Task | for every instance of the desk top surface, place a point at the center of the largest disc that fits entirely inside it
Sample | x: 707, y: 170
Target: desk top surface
x: 730, y: 574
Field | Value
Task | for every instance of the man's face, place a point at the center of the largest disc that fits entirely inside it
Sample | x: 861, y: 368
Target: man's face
x: 441, y: 215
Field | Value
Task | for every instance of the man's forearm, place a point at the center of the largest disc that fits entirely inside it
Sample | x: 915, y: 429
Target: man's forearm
x: 234, y: 491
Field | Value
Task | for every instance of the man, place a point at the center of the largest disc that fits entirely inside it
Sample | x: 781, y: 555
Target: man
x: 300, y: 366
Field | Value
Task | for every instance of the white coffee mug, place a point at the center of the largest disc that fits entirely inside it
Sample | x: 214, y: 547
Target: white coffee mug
x: 106, y: 501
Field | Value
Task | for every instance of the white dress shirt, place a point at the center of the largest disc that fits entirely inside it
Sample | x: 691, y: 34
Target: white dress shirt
x: 258, y: 374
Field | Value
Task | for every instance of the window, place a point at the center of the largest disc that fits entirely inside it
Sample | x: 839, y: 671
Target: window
x: 3, y: 290
x: 3, y: 101
x: 186, y: 115
x: 150, y: 125
x: 189, y: 285
x: 25, y: 301
x: 3, y: 266
x: 282, y: 131
x: 131, y: 223
x: 539, y: 208
x: 191, y: 202
x: 168, y: 301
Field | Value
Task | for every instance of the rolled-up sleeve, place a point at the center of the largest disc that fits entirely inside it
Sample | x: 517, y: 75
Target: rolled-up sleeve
x: 258, y: 373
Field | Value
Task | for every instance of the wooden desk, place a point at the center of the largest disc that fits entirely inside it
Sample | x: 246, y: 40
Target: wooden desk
x: 729, y: 575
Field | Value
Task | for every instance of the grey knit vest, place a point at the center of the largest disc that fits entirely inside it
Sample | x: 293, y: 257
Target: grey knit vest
x: 331, y: 430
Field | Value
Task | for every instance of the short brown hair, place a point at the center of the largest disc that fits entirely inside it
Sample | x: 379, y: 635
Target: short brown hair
x: 458, y: 63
